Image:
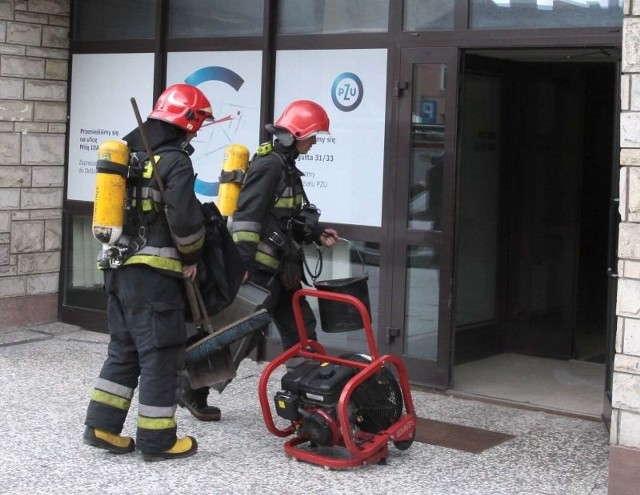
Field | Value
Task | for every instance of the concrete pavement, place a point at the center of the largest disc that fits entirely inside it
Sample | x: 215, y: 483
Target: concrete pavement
x: 47, y: 373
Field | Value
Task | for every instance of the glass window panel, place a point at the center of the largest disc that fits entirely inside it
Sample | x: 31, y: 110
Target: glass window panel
x: 427, y: 146
x: 97, y: 20
x: 201, y: 19
x: 84, y: 252
x: 544, y: 13
x: 342, y: 261
x: 422, y: 306
x: 426, y: 15
x: 332, y: 16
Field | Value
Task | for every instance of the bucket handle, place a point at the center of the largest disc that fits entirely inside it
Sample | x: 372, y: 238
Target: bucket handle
x: 355, y: 248
x: 315, y: 276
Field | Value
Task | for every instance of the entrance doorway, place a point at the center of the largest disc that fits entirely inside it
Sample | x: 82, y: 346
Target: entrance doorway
x: 535, y: 172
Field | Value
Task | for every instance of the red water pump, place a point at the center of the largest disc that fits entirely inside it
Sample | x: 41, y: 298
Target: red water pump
x: 342, y: 410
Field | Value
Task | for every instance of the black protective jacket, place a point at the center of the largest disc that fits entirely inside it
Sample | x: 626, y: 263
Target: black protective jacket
x: 271, y: 195
x: 182, y: 217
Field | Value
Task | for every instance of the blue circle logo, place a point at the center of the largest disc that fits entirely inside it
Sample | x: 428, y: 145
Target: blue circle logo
x: 347, y: 92
x: 224, y: 75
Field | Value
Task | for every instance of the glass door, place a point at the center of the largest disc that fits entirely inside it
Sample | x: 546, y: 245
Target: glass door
x: 420, y: 327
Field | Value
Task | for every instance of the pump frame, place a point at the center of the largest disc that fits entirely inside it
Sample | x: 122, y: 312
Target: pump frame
x: 363, y: 448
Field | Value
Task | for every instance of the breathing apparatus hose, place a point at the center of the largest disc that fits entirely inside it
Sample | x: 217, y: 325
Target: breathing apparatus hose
x: 319, y: 265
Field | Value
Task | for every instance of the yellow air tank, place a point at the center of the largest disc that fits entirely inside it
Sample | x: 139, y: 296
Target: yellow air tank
x: 111, y: 189
x: 234, y: 166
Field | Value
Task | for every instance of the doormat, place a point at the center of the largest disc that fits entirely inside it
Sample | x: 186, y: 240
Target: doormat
x: 458, y: 437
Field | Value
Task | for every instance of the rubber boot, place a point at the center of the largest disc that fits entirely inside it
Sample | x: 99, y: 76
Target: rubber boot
x: 184, y: 447
x: 196, y: 402
x: 106, y: 440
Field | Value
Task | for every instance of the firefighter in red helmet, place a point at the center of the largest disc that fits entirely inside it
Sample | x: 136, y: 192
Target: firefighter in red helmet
x: 274, y: 216
x: 145, y: 304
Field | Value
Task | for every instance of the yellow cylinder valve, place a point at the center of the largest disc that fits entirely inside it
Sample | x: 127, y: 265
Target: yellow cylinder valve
x: 234, y: 166
x: 111, y: 190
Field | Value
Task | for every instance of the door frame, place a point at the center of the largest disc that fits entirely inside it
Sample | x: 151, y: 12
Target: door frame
x: 612, y: 284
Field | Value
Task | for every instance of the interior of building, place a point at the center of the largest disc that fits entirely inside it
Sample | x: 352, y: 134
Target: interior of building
x: 534, y: 227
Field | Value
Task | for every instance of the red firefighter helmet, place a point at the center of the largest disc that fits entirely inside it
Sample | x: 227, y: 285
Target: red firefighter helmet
x: 184, y: 106
x: 303, y: 119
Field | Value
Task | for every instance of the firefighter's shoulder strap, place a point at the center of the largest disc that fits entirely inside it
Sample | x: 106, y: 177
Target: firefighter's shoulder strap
x: 138, y: 161
x: 267, y: 148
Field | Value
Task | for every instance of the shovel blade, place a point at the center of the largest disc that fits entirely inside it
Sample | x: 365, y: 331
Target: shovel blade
x: 217, y: 367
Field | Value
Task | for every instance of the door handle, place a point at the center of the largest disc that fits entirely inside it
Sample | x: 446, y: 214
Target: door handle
x: 392, y: 334
x: 399, y: 87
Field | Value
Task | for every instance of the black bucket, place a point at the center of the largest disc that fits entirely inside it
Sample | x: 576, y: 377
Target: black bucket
x: 335, y: 316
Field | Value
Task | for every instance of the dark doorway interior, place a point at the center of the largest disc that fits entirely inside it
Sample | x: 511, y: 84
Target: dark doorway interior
x: 536, y: 141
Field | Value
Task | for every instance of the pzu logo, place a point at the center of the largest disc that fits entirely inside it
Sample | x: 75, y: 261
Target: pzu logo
x: 347, y: 91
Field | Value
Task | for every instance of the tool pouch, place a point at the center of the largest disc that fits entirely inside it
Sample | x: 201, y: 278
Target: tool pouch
x: 291, y: 264
x: 304, y: 221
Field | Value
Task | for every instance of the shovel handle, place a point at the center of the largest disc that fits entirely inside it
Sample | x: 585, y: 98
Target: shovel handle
x: 204, y: 315
x: 193, y: 301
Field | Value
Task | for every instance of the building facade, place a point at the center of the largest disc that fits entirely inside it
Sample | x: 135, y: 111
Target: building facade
x: 625, y: 421
x: 494, y: 146
x: 34, y: 54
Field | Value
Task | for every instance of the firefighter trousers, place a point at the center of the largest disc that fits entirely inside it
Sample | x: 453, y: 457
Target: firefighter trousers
x: 281, y: 310
x: 145, y: 314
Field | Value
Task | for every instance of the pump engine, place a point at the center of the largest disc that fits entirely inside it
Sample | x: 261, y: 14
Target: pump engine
x: 311, y: 391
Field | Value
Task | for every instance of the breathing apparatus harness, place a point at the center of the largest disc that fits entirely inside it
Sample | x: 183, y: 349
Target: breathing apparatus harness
x: 301, y: 224
x: 137, y: 221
